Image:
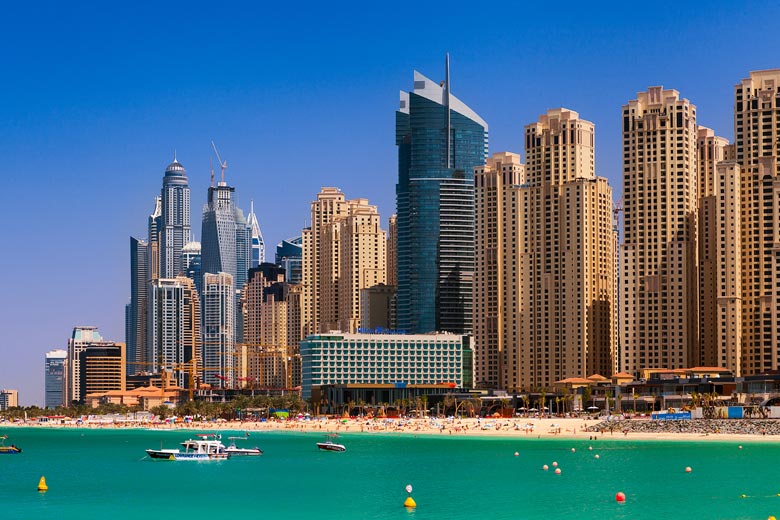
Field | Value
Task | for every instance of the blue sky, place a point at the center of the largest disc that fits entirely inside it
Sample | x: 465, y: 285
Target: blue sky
x: 94, y: 98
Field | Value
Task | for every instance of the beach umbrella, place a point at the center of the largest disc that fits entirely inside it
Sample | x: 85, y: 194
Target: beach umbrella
x: 593, y: 408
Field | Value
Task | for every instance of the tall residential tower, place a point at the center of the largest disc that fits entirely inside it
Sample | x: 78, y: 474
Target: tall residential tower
x: 659, y: 282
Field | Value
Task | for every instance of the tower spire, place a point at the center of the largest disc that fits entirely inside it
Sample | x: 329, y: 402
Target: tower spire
x: 174, y: 155
x: 447, y: 106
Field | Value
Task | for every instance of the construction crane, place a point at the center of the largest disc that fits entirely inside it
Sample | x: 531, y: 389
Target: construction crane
x: 222, y: 164
x: 617, y: 208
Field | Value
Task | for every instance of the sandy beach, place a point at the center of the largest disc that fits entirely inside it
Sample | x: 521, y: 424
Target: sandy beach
x: 528, y: 428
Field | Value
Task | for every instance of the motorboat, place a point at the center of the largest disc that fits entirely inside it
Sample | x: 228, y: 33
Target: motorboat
x: 329, y: 445
x: 8, y: 450
x: 235, y: 451
x: 206, y: 447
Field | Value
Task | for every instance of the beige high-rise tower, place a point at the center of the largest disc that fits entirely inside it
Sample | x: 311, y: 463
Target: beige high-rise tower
x: 496, y: 273
x: 720, y: 302
x: 545, y: 271
x: 343, y: 252
x: 659, y: 283
x: 756, y: 142
x: 330, y: 203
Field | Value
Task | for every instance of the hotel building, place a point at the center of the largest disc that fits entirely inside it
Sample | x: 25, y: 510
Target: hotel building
x: 336, y: 358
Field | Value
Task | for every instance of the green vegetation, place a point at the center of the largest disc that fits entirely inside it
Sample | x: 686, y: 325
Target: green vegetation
x: 240, y: 408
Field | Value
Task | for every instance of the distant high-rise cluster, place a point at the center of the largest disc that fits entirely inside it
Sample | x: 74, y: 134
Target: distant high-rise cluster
x: 522, y: 269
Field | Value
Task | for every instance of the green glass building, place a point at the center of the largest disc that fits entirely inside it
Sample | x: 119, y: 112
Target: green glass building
x: 440, y: 140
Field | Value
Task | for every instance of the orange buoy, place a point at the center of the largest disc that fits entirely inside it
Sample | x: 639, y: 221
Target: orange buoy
x: 545, y: 467
x: 555, y: 464
x: 620, y: 497
x: 557, y: 471
x: 688, y: 469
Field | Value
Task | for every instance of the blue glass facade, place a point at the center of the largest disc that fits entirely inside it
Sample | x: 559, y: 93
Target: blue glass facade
x: 53, y: 378
x: 435, y: 199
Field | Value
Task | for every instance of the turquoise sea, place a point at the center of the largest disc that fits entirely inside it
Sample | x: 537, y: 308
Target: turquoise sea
x: 106, y: 474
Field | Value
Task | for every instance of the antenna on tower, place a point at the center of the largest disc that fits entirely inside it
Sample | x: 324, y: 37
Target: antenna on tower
x: 447, y: 105
x: 222, y: 164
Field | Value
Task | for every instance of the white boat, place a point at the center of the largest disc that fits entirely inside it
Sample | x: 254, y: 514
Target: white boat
x: 234, y: 450
x: 207, y: 447
x: 329, y: 445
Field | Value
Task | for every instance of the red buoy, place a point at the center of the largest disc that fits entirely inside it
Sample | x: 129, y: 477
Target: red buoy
x: 620, y: 497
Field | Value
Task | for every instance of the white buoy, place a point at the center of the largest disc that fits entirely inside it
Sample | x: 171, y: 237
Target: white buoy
x: 545, y: 467
x: 557, y: 471
x: 517, y: 454
x: 688, y: 469
x: 596, y: 456
x: 555, y: 464
x: 590, y: 448
x: 573, y: 450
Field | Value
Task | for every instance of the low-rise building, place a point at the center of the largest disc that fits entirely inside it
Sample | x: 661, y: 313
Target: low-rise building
x: 8, y: 399
x: 415, y: 359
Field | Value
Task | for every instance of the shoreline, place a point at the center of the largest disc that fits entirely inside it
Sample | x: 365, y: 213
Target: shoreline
x: 520, y: 428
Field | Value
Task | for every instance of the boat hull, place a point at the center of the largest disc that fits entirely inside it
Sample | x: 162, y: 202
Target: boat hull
x: 329, y: 446
x: 9, y: 450
x: 244, y: 452
x: 180, y: 455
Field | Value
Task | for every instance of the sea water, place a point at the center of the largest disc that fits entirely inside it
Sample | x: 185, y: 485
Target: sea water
x: 106, y: 474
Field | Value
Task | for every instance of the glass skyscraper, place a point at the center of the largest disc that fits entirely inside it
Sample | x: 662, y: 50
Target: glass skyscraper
x: 440, y: 140
x: 175, y: 230
x: 54, y: 372
x: 226, y: 245
x: 258, y: 244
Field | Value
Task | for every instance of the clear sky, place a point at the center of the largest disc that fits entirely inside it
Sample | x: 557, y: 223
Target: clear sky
x: 94, y: 100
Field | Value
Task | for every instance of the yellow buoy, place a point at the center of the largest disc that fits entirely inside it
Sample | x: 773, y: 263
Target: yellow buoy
x: 409, y: 502
x: 771, y: 518
x: 42, y: 484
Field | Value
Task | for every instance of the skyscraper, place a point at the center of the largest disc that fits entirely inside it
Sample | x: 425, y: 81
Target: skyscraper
x: 191, y: 260
x: 720, y: 255
x: 289, y: 254
x: 226, y: 245
x: 80, y: 340
x: 330, y: 203
x: 497, y: 280
x: 440, y: 140
x: 175, y: 231
x: 659, y: 282
x: 344, y: 252
x: 545, y: 272
x: 173, y: 328
x: 135, y: 328
x: 757, y: 147
x: 54, y: 371
x: 258, y: 245
x: 218, y: 329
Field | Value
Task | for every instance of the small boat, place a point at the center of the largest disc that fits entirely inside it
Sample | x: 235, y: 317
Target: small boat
x: 207, y: 447
x: 329, y: 445
x: 234, y: 450
x: 7, y: 450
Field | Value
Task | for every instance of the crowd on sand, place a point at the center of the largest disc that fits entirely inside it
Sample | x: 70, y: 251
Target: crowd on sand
x: 589, y: 428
